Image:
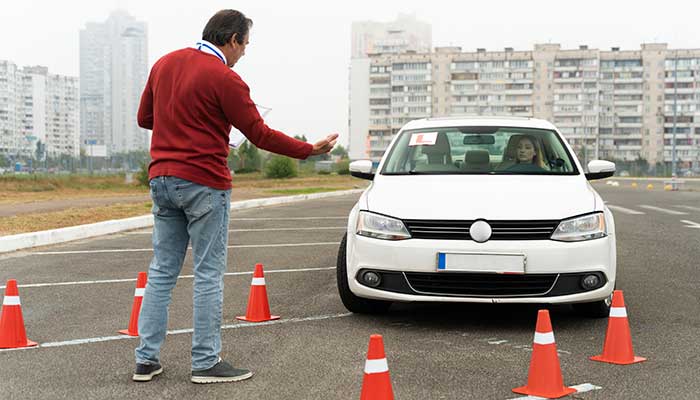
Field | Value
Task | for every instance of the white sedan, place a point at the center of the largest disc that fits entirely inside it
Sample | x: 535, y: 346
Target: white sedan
x: 483, y: 210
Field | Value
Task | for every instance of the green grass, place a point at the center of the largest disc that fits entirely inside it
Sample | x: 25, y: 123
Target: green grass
x: 50, y: 182
x: 304, y: 190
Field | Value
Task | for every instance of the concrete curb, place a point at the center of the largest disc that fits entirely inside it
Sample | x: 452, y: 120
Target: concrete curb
x: 62, y: 235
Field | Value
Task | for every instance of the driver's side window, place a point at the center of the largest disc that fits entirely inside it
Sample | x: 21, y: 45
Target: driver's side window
x: 418, y: 157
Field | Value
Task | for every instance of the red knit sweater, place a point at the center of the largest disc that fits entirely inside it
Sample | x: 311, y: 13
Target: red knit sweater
x: 190, y: 101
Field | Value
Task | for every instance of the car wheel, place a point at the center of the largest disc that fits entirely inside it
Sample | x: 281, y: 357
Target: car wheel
x: 595, y: 309
x: 350, y: 301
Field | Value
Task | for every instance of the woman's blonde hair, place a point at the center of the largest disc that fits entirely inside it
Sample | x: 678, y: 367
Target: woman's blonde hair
x: 538, y: 159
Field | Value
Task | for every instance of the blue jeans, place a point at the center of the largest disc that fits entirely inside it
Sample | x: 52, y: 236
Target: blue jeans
x: 185, y: 211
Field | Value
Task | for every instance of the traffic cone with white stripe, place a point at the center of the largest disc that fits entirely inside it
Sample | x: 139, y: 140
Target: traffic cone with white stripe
x: 258, y: 307
x: 376, y: 384
x: 12, y: 333
x: 544, y: 378
x: 618, y: 340
x: 136, y: 307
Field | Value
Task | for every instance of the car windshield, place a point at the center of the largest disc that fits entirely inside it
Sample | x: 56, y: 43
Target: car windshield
x: 479, y: 150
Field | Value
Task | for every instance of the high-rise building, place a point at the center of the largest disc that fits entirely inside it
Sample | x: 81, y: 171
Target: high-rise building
x: 618, y: 105
x: 113, y: 73
x: 9, y: 104
x: 405, y: 34
x: 36, y: 106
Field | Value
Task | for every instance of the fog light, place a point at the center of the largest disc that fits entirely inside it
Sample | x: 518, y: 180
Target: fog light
x: 371, y: 279
x: 590, y: 281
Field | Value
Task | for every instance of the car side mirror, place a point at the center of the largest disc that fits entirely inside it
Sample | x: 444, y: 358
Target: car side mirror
x: 600, y: 169
x: 362, y: 169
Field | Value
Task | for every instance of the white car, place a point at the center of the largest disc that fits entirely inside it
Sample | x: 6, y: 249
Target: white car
x: 482, y: 210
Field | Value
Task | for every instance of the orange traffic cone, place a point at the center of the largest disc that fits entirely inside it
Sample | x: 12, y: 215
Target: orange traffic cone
x: 258, y: 307
x: 376, y: 384
x: 618, y: 340
x: 544, y: 378
x: 136, y: 307
x: 12, y: 333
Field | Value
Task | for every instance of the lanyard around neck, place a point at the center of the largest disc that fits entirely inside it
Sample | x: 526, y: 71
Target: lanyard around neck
x: 216, y: 53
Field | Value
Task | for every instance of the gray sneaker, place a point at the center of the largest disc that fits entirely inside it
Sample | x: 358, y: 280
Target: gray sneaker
x: 146, y: 372
x: 219, y: 373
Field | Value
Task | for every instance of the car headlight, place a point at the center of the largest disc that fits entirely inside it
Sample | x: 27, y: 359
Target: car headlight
x: 577, y: 229
x: 381, y: 227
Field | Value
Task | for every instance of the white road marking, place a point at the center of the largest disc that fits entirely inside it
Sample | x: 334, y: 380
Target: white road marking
x: 582, y: 388
x: 689, y: 208
x: 624, y: 210
x: 494, y: 341
x: 75, y: 342
x: 259, y: 230
x: 271, y: 271
x: 238, y: 246
x: 663, y: 210
x: 286, y: 218
x: 691, y: 224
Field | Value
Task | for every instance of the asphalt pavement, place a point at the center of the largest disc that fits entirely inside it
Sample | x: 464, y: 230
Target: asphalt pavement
x: 76, y: 296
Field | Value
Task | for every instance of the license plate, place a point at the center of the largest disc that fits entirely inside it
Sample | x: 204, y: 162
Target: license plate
x: 499, y: 263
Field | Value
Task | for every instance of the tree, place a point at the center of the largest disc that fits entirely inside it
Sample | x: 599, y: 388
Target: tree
x: 233, y: 160
x: 280, y: 167
x: 302, y: 138
x: 40, y: 149
x: 249, y: 157
x: 320, y: 157
x: 142, y: 175
x: 339, y: 150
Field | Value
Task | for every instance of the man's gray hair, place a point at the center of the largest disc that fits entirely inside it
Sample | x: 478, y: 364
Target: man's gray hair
x: 224, y: 24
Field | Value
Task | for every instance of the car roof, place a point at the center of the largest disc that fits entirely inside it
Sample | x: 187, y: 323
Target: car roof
x: 521, y: 122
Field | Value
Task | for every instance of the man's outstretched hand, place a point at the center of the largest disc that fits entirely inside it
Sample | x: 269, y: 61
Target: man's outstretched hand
x: 324, y: 145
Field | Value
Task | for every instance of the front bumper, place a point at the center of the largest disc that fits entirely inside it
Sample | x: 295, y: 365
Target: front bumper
x: 552, y: 274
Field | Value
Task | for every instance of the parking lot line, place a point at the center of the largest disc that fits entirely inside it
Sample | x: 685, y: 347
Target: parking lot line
x: 582, y: 388
x: 690, y: 224
x: 259, y: 230
x: 663, y: 210
x: 285, y: 218
x: 624, y: 210
x: 105, y: 281
x: 690, y: 208
x: 236, y: 246
x: 76, y: 342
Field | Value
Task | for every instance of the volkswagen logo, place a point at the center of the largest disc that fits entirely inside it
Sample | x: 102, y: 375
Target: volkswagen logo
x: 480, y: 231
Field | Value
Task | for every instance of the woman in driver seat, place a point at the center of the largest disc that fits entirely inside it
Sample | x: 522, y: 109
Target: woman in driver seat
x: 525, y: 156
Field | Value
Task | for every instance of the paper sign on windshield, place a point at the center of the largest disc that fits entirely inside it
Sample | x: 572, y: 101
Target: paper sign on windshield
x: 423, y: 139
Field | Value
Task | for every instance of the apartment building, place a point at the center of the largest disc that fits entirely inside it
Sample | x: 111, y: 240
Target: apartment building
x: 614, y: 104
x: 371, y: 85
x: 9, y: 105
x: 403, y: 34
x: 113, y: 73
x: 38, y: 106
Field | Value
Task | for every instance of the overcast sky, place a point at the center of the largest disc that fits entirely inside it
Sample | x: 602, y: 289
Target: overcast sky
x: 298, y: 57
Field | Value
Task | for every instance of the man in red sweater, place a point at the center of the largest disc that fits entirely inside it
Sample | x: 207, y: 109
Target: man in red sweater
x: 191, y: 99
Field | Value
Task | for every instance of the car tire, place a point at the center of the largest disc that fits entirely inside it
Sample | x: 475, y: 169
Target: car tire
x: 350, y: 301
x: 595, y: 309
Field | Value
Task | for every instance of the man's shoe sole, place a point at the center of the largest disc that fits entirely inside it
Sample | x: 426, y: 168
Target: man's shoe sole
x: 220, y: 379
x: 146, y: 377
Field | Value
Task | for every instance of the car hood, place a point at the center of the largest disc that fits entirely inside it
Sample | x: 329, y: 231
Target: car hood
x: 492, y: 197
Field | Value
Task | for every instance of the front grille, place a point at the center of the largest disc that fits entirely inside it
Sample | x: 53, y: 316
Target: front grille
x: 502, y: 230
x: 480, y: 284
